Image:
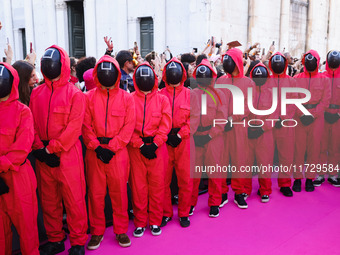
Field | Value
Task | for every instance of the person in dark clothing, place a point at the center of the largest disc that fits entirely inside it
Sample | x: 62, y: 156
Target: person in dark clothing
x: 126, y: 65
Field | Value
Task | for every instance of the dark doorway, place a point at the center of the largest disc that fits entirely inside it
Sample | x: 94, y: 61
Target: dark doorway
x: 76, y: 30
x: 146, y: 36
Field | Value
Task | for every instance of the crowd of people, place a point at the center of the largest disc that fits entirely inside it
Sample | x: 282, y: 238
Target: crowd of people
x: 141, y: 119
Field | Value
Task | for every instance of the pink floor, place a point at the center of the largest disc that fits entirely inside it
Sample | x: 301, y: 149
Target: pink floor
x: 308, y: 223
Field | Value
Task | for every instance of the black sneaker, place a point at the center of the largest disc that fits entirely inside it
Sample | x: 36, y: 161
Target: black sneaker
x: 214, y: 211
x: 192, y: 209
x: 286, y: 191
x: 245, y: 195
x: 264, y: 198
x: 319, y: 180
x: 297, y: 185
x: 52, y: 248
x: 155, y: 230
x: 334, y: 181
x: 309, y: 185
x: 241, y: 203
x: 184, y: 222
x: 165, y: 221
x: 77, y: 250
x: 224, y: 199
x: 139, y: 232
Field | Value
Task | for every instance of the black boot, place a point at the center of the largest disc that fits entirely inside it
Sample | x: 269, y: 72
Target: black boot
x: 52, y: 248
x: 77, y: 250
x: 286, y: 191
x: 309, y: 185
x: 297, y: 185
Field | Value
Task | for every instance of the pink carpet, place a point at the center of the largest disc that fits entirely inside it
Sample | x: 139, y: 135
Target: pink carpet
x: 307, y: 223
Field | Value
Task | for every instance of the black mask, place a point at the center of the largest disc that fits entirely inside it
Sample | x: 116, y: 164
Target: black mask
x: 174, y: 73
x: 260, y: 75
x: 311, y: 63
x: 228, y: 64
x: 6, y: 81
x: 278, y: 64
x: 203, y: 76
x: 50, y: 63
x: 333, y: 59
x: 107, y: 74
x: 145, y: 78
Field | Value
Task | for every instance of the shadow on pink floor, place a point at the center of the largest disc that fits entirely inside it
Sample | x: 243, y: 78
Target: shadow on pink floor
x: 307, y: 223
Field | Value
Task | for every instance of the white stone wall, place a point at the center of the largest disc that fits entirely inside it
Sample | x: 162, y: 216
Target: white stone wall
x: 179, y: 24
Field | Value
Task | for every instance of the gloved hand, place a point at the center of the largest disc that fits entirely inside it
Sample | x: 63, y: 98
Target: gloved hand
x: 228, y: 127
x: 201, y: 140
x: 104, y: 155
x: 255, y: 132
x: 149, y: 151
x: 173, y: 140
x: 52, y: 160
x: 331, y: 118
x: 278, y: 124
x: 3, y: 187
x: 306, y: 120
x: 40, y: 154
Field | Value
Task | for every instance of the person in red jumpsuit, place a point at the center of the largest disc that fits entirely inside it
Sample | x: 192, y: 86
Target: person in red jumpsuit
x: 260, y: 133
x: 147, y: 151
x: 330, y: 145
x: 178, y: 143
x: 235, y: 135
x: 108, y: 126
x: 58, y: 110
x: 208, y: 138
x: 310, y: 127
x: 18, y: 199
x: 284, y: 137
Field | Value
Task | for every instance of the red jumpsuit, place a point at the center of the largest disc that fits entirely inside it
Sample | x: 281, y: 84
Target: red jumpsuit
x: 308, y: 138
x: 262, y: 148
x: 153, y: 123
x: 179, y: 157
x: 330, y: 144
x: 284, y: 137
x: 18, y: 207
x: 58, y: 110
x: 236, y: 140
x: 109, y: 113
x: 211, y: 153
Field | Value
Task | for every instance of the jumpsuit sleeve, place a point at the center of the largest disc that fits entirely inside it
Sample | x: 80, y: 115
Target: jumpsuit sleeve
x: 165, y: 124
x: 37, y: 143
x: 18, y: 151
x: 326, y: 97
x: 184, y: 132
x: 73, y: 129
x: 222, y: 113
x: 291, y: 108
x: 90, y: 138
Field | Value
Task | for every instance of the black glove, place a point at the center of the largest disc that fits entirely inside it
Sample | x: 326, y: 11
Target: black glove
x: 331, y: 118
x: 3, y: 187
x: 40, y: 154
x: 201, y: 140
x: 173, y: 140
x: 278, y: 124
x: 255, y: 132
x: 104, y: 155
x: 228, y: 127
x: 306, y: 120
x: 52, y: 160
x: 149, y: 151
